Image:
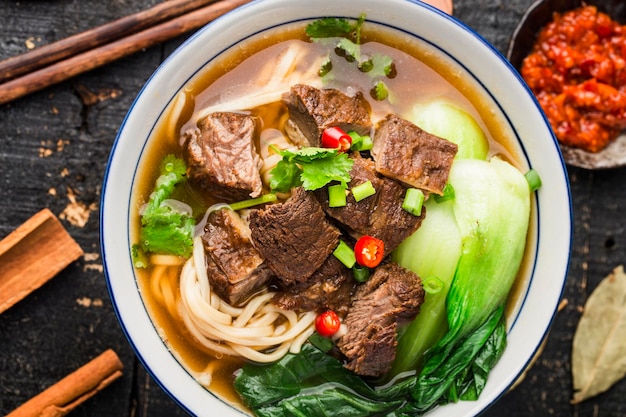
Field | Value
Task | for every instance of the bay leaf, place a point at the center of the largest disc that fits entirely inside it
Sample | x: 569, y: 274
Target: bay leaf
x: 599, y: 346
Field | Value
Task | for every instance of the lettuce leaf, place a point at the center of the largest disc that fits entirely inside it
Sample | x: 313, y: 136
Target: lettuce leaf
x: 164, y: 229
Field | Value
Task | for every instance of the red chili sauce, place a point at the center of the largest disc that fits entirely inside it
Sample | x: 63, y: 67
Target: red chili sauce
x: 577, y: 70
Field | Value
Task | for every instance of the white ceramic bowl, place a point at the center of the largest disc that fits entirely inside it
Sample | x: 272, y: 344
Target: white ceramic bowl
x: 477, y: 59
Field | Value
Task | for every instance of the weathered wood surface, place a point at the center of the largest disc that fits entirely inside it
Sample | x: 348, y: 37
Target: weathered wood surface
x: 54, y: 146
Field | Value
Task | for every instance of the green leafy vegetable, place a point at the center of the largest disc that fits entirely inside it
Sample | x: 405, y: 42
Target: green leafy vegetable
x: 322, y: 343
x: 164, y: 229
x: 383, y: 66
x: 331, y: 27
x: 311, y: 167
x: 285, y: 175
x: 313, y: 383
x: 428, y: 257
x: 491, y: 209
x: 477, y: 352
x: 172, y: 171
x: 349, y: 50
x: 476, y: 378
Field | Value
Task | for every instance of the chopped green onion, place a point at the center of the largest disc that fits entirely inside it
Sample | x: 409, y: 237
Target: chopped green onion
x: 345, y: 254
x: 326, y: 67
x: 433, y: 285
x: 390, y: 69
x: 448, y: 194
x: 363, y: 190
x: 366, y: 65
x: 413, y: 201
x: 534, y: 180
x: 379, y: 92
x: 265, y: 198
x: 140, y: 259
x: 337, y: 195
x: 360, y: 143
x: 360, y: 273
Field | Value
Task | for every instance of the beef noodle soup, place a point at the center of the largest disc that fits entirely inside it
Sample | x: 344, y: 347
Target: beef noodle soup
x: 253, y: 259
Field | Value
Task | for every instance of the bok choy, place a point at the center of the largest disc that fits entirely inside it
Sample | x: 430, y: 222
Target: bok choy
x: 444, y: 119
x: 430, y: 258
x: 491, y: 209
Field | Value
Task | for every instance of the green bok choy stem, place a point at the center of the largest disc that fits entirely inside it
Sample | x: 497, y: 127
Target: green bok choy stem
x: 492, y: 210
x: 432, y: 251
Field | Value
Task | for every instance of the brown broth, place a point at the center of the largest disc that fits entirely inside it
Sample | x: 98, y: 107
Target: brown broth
x: 422, y: 75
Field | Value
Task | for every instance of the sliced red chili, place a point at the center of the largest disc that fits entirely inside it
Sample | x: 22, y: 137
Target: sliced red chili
x: 369, y: 251
x: 335, y: 138
x: 327, y: 323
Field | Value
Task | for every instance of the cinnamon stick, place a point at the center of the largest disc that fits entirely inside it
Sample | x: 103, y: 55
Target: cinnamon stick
x: 56, y: 51
x: 71, y: 391
x: 97, y: 57
x: 32, y: 254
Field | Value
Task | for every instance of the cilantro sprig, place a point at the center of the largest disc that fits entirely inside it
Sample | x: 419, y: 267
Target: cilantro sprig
x: 309, y: 167
x: 332, y: 27
x: 348, y: 46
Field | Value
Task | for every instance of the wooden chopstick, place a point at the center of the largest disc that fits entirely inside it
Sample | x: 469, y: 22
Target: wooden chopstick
x: 110, y: 52
x: 56, y: 51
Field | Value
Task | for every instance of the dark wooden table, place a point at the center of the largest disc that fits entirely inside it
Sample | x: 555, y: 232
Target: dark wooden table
x: 54, y: 146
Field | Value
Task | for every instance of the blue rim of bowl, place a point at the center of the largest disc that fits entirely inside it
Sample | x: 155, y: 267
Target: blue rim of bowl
x: 199, y: 33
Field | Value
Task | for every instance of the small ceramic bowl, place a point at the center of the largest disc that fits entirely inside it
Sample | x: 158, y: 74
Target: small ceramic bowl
x: 503, y: 91
x: 534, y: 19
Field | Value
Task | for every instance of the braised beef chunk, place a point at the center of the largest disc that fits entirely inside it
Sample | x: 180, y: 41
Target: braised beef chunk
x: 380, y: 215
x: 411, y: 155
x: 391, y: 297
x: 312, y: 110
x: 330, y: 287
x: 356, y: 217
x: 390, y: 222
x: 235, y: 268
x: 221, y: 156
x: 293, y: 237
